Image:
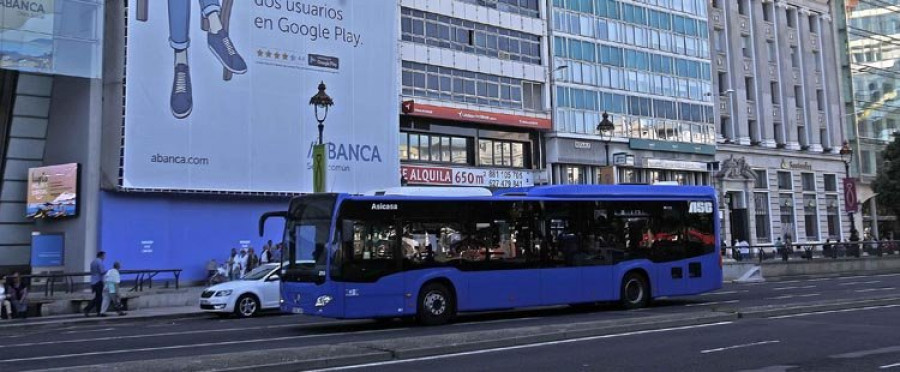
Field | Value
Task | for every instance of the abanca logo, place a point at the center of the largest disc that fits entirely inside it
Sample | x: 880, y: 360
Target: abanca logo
x: 384, y: 207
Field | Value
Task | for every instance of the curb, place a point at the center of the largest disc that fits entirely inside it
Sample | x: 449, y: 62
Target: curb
x: 37, y: 323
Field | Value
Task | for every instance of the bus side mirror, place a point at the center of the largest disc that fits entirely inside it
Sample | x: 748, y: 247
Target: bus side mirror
x: 266, y: 216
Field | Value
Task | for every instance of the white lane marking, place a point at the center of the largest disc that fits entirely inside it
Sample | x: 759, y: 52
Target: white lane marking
x: 833, y: 311
x: 88, y: 330
x: 785, y: 297
x: 819, y: 279
x: 114, y: 338
x: 207, y: 344
x: 886, y: 275
x: 890, y: 366
x: 851, y: 277
x: 517, y: 347
x: 723, y: 293
x: 856, y: 283
x: 787, y: 281
x: 713, y: 303
x: 795, y: 287
x: 707, y: 351
x: 874, y: 289
x: 492, y: 321
x: 865, y: 353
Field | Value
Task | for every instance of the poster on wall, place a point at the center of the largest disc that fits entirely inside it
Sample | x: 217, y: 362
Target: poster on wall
x: 52, y: 191
x: 217, y: 94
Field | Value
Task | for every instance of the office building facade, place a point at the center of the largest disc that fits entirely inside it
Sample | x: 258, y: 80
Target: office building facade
x: 780, y: 121
x: 648, y: 65
x: 473, y: 92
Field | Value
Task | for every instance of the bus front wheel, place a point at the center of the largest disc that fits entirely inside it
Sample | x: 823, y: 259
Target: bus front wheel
x: 436, y: 304
x: 635, y: 291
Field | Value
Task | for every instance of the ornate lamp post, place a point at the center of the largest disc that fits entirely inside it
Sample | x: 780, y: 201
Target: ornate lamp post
x: 847, y: 157
x: 606, y: 129
x: 321, y: 102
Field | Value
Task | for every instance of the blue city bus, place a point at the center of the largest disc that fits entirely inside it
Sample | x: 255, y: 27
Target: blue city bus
x: 399, y: 253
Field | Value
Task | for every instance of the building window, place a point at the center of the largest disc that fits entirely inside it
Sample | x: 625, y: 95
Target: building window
x: 792, y: 17
x: 746, y: 47
x: 433, y: 148
x: 810, y: 219
x: 830, y: 182
x: 450, y: 84
x: 776, y: 94
x: 501, y: 153
x: 831, y: 209
x: 574, y: 175
x: 784, y: 181
x: 786, y: 209
x: 767, y: 11
x: 773, y: 54
x: 742, y: 7
x: 762, y: 181
x: 795, y: 57
x: 533, y: 96
x: 466, y: 36
x: 761, y: 211
x: 809, y: 181
x: 522, y: 7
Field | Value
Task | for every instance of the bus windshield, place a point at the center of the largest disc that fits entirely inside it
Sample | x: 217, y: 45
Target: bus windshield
x: 306, y: 235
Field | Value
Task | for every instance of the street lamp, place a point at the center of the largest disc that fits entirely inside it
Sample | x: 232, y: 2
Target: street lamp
x: 320, y: 101
x: 847, y: 157
x: 606, y: 129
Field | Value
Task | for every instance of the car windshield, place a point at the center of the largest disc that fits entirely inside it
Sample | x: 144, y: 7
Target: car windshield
x: 259, y: 272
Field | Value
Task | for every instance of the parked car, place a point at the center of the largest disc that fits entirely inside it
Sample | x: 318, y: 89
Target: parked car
x: 258, y: 290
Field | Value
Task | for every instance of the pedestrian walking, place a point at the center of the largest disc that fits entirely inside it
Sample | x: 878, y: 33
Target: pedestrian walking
x: 266, y: 255
x: 111, y: 282
x: 230, y: 264
x: 829, y: 249
x: 5, y: 300
x: 17, y: 292
x: 241, y: 263
x: 780, y: 248
x: 252, y: 260
x: 97, y: 273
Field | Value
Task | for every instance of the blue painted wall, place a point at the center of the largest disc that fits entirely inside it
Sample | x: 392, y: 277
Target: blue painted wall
x: 186, y: 230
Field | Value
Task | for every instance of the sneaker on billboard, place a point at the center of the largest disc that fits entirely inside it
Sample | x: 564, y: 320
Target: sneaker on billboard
x: 182, y: 101
x: 223, y: 48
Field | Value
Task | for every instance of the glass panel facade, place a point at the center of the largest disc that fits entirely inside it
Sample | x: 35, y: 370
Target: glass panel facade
x: 761, y: 212
x: 649, y: 66
x: 448, y: 84
x: 466, y: 36
x: 810, y: 217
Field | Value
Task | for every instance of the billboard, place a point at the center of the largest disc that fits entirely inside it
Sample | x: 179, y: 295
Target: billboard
x: 52, y: 191
x: 217, y: 95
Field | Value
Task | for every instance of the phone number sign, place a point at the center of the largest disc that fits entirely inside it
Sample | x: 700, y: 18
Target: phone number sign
x: 457, y: 176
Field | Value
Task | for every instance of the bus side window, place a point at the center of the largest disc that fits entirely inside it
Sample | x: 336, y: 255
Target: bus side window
x: 370, y: 251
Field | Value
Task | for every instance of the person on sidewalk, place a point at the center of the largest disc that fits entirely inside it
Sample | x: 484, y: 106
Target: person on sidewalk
x: 781, y: 249
x: 5, y: 303
x: 112, y: 281
x: 252, y: 260
x: 17, y: 290
x: 230, y: 264
x: 97, y: 272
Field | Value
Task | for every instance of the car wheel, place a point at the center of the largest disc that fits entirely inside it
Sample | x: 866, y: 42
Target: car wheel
x: 436, y: 304
x: 635, y: 291
x: 246, y: 306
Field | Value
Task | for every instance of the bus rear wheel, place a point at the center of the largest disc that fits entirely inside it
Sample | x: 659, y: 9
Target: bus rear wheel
x: 436, y: 305
x: 635, y: 291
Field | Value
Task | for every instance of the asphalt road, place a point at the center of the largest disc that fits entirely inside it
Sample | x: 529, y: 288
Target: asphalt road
x: 853, y: 340
x: 75, y: 345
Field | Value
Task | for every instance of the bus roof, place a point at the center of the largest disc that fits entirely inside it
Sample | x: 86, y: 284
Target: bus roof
x: 609, y: 191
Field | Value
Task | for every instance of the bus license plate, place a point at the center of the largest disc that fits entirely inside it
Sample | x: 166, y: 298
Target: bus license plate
x: 297, y: 310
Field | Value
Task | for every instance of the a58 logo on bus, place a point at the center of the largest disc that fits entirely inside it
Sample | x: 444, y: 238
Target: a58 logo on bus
x: 700, y: 207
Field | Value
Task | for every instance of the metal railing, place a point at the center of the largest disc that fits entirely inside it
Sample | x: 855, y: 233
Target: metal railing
x: 813, y: 251
x: 68, y: 280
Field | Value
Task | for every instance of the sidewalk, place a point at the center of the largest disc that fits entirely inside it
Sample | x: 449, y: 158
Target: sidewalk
x: 147, y: 313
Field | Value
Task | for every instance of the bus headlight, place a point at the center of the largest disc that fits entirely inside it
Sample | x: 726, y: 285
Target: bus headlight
x: 323, y: 300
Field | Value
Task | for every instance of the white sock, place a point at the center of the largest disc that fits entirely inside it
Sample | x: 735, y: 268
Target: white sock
x: 215, y: 24
x: 181, y: 56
